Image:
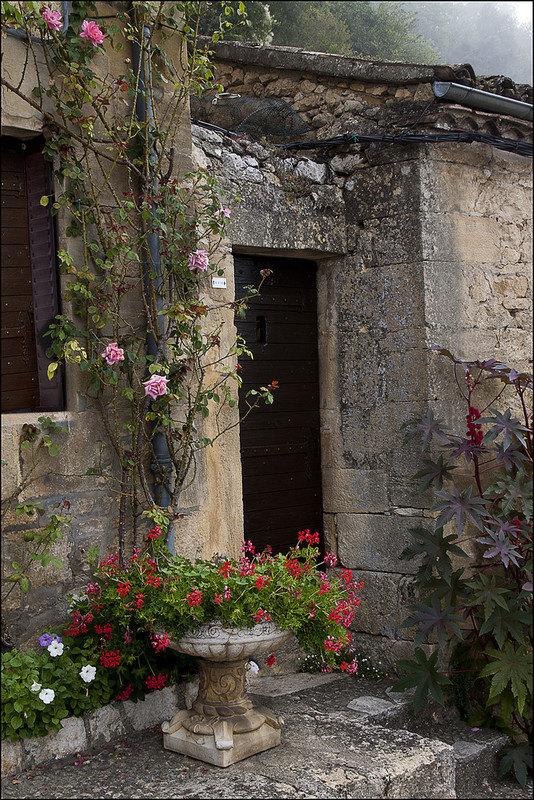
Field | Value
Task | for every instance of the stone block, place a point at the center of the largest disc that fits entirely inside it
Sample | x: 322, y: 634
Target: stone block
x: 11, y: 757
x: 374, y: 542
x: 476, y: 762
x: 377, y: 711
x: 354, y: 490
x: 385, y: 598
x: 57, y: 744
x: 457, y: 237
x: 104, y: 724
x: 311, y: 170
x: 156, y: 707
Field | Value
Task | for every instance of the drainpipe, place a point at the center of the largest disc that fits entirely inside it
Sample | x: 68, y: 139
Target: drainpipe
x: 476, y: 98
x: 151, y: 258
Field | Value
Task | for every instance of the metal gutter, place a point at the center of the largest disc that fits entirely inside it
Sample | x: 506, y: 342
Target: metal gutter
x: 486, y: 101
x: 151, y: 259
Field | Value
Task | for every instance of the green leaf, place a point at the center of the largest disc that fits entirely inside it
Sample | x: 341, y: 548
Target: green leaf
x: 510, y: 666
x: 24, y: 584
x: 517, y: 758
x: 424, y: 676
x: 44, y: 200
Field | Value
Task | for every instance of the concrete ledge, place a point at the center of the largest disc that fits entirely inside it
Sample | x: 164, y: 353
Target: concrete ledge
x: 93, y: 730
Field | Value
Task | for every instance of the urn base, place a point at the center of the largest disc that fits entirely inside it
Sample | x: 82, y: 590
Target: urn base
x: 222, y: 741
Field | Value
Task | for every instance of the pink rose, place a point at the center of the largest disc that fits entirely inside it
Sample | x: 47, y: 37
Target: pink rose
x: 199, y: 260
x: 113, y: 354
x: 90, y: 30
x: 156, y: 386
x: 52, y: 18
x: 224, y: 211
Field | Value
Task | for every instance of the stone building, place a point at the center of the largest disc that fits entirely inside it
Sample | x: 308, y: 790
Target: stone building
x: 380, y: 249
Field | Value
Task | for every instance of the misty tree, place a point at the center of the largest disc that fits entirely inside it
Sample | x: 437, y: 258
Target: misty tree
x: 248, y: 21
x: 485, y: 35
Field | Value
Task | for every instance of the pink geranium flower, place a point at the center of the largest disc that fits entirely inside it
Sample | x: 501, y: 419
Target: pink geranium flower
x: 113, y: 354
x: 156, y: 386
x: 52, y: 18
x: 198, y: 261
x: 91, y: 31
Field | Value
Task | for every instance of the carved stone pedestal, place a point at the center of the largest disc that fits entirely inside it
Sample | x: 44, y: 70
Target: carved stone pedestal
x: 223, y: 726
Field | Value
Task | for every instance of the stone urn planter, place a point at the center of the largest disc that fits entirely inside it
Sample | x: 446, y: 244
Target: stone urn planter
x: 223, y: 726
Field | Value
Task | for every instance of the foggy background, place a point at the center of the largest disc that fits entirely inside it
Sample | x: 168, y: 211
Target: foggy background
x: 495, y: 38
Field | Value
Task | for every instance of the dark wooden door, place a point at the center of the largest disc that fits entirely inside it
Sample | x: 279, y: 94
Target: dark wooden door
x: 280, y: 452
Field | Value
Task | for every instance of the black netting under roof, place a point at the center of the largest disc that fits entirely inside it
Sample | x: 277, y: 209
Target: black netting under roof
x: 253, y: 115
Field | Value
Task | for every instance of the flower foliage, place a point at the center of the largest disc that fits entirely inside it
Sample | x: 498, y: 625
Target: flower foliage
x: 159, y: 597
x: 479, y: 607
x: 41, y: 687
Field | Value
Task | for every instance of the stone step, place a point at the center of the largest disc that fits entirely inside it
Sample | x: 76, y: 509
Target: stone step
x: 475, y: 750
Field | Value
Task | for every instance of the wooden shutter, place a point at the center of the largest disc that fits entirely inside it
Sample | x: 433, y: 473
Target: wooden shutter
x: 29, y: 282
x: 44, y: 273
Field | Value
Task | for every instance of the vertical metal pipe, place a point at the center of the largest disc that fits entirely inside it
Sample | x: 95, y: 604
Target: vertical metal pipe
x: 151, y: 260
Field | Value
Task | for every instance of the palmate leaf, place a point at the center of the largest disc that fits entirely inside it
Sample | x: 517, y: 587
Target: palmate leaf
x: 426, y: 426
x: 424, y: 676
x: 434, y: 617
x: 464, y: 447
x: 487, y: 593
x: 460, y: 506
x: 510, y: 666
x: 517, y: 758
x: 509, y: 426
x: 449, y: 587
x: 513, y: 457
x: 502, y: 624
x: 433, y: 548
x: 433, y: 472
x: 514, y: 492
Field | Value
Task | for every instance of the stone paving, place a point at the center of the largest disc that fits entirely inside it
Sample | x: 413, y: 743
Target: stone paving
x: 328, y: 750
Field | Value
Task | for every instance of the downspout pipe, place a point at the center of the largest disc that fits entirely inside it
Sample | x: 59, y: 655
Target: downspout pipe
x: 485, y: 101
x: 151, y: 259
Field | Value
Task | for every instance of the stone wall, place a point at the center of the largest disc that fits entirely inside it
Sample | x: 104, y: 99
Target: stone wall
x: 416, y: 245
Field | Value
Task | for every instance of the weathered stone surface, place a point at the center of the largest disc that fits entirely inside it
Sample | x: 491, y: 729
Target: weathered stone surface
x: 156, y: 707
x: 70, y: 739
x: 350, y: 490
x: 105, y: 723
x: 374, y: 541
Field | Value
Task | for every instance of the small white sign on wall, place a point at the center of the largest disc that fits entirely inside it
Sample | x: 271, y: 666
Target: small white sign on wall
x: 218, y: 283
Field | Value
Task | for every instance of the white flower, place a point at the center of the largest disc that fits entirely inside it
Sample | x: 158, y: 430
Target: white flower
x: 47, y: 695
x: 35, y: 687
x: 87, y: 673
x: 55, y: 649
x: 253, y: 667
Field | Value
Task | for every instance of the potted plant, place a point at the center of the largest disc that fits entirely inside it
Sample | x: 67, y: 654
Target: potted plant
x: 221, y: 611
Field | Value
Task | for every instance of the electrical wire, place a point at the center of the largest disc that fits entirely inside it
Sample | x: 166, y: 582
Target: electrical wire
x: 522, y: 148
x: 467, y: 137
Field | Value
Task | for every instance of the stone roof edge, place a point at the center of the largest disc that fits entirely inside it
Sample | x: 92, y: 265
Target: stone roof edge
x: 337, y: 66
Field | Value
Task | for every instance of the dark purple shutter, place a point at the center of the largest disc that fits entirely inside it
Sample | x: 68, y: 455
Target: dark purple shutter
x: 44, y: 274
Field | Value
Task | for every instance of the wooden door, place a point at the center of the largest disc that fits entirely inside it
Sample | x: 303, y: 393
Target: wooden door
x: 280, y: 452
